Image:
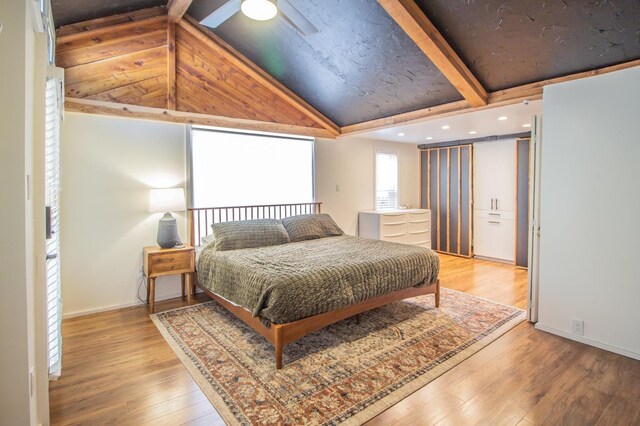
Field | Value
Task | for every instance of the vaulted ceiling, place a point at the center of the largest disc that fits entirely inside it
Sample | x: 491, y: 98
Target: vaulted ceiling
x: 366, y: 61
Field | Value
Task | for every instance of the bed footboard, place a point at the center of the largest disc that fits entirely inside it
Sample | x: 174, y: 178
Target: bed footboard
x: 279, y: 335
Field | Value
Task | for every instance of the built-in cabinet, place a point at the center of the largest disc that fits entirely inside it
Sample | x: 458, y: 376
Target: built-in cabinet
x: 479, y: 198
x: 397, y: 226
x: 494, y: 195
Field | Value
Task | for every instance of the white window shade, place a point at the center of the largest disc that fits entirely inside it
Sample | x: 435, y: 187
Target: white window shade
x: 243, y: 169
x: 386, y: 181
x: 52, y: 200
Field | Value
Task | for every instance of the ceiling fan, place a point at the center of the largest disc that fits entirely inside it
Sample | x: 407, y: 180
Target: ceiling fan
x: 260, y: 10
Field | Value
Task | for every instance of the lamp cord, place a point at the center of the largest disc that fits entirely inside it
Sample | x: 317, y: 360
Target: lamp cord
x: 141, y: 282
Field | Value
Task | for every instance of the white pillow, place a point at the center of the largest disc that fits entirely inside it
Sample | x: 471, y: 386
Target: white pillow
x: 208, y: 239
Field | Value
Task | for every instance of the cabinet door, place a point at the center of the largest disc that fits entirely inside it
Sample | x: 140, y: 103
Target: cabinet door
x: 493, y: 237
x: 483, y: 176
x: 494, y: 168
x: 504, y: 171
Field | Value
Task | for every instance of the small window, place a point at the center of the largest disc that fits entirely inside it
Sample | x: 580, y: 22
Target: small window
x: 230, y: 168
x: 386, y: 181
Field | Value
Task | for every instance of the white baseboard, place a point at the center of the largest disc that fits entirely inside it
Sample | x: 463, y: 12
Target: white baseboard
x: 494, y: 259
x: 588, y: 341
x: 120, y: 306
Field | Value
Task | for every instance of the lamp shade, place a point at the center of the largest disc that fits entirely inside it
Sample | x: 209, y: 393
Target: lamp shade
x: 166, y: 200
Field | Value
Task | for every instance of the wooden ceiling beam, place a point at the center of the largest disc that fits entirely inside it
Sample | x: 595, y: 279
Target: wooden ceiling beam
x: 159, y: 114
x: 171, y: 66
x: 233, y: 56
x: 177, y: 8
x: 100, y: 34
x: 419, y: 28
x: 84, y: 27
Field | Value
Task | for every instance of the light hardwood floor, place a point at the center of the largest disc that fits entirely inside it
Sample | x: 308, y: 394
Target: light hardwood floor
x: 117, y: 369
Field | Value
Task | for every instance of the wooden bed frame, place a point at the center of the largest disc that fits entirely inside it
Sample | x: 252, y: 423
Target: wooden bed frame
x: 282, y: 334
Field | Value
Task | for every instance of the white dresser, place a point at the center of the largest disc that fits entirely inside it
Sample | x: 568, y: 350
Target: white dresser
x: 397, y: 226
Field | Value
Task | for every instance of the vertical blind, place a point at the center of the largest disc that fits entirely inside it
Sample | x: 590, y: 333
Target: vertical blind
x: 386, y: 181
x: 52, y: 201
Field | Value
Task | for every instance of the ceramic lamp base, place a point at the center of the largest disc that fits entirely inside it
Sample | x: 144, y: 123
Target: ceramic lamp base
x: 168, y: 232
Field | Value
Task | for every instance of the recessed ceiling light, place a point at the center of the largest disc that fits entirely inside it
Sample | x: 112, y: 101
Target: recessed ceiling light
x: 526, y: 125
x: 502, y: 118
x: 400, y: 134
x: 429, y: 138
x: 445, y: 127
x: 473, y: 132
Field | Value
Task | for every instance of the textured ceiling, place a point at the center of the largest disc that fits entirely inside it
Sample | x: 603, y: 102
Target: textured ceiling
x: 71, y: 11
x: 359, y: 66
x: 510, y: 43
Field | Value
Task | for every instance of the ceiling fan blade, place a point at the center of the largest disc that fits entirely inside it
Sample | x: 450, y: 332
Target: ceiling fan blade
x: 296, y: 18
x: 222, y: 13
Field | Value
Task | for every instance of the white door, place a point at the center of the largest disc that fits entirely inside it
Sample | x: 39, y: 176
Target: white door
x: 534, y: 217
x: 52, y: 201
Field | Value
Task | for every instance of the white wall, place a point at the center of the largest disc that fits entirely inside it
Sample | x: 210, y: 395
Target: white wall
x: 18, y: 342
x: 589, y: 210
x: 108, y: 165
x: 349, y: 162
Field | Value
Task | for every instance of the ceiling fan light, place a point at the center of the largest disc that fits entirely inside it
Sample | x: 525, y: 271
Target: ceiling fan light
x: 259, y: 10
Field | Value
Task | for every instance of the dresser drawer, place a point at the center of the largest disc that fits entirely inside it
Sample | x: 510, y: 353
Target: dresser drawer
x: 418, y: 238
x: 422, y: 226
x: 170, y: 262
x: 401, y: 239
x: 393, y: 229
x: 392, y: 219
x: 425, y: 245
x: 418, y: 216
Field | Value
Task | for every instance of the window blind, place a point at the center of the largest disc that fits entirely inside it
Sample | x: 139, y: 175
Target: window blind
x: 386, y: 181
x: 52, y: 201
x: 242, y: 169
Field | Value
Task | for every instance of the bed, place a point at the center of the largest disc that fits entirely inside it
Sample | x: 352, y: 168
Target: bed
x: 291, y: 275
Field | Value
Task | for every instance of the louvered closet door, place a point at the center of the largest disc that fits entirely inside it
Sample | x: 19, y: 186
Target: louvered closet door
x: 446, y: 191
x: 52, y: 201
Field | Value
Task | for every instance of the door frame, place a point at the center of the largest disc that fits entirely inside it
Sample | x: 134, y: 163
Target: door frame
x: 535, y: 152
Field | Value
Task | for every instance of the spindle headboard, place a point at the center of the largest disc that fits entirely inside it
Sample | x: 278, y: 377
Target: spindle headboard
x: 201, y: 219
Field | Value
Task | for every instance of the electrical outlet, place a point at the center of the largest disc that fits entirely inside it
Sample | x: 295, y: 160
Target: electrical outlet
x: 577, y: 327
x: 337, y: 187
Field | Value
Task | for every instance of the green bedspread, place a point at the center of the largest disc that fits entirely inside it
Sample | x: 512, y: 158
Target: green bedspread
x: 292, y: 281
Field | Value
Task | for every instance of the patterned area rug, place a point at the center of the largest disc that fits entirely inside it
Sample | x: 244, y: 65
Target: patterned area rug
x: 346, y: 373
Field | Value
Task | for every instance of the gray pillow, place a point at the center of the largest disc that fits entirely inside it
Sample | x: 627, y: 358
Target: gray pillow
x: 249, y: 234
x: 310, y: 227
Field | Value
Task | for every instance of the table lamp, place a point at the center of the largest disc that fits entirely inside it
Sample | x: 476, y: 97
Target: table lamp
x: 167, y: 200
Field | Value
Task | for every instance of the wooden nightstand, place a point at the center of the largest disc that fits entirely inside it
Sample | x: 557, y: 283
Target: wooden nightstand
x: 158, y: 262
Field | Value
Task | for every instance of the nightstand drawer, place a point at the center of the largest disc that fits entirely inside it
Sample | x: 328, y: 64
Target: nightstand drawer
x: 168, y: 262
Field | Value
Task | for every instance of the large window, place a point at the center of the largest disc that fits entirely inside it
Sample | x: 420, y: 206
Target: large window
x: 386, y: 181
x: 242, y: 169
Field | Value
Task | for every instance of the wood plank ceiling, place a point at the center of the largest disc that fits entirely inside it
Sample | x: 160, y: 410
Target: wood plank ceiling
x: 372, y: 64
x: 147, y: 61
